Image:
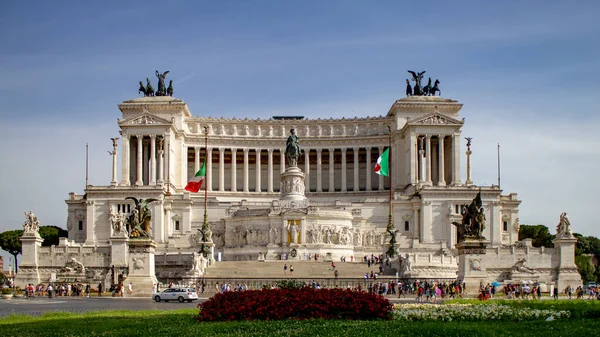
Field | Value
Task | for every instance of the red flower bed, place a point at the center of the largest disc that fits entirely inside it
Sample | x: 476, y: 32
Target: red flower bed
x: 302, y: 303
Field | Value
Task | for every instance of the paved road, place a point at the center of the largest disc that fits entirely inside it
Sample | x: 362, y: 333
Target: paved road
x: 40, y: 305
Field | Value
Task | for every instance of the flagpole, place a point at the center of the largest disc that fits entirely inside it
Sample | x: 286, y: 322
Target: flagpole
x: 391, y: 214
x: 86, y: 165
x: 205, y: 224
x: 498, y: 165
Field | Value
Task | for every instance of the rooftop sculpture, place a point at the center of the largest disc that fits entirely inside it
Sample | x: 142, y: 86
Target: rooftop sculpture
x: 418, y: 90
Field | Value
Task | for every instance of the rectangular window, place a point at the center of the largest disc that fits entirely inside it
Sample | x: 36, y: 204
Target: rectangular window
x: 176, y: 225
x: 505, y: 226
x: 406, y: 226
x: 80, y: 225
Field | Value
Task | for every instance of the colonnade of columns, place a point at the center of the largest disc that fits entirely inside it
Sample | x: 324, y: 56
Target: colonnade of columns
x: 142, y: 160
x: 316, y: 173
x: 436, y: 159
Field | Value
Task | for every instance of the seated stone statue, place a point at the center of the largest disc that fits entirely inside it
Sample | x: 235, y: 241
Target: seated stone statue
x: 521, y: 267
x: 73, y: 266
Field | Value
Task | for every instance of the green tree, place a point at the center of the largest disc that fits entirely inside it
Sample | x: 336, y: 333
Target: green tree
x: 585, y: 268
x: 51, y: 235
x: 539, y: 233
x: 10, y: 242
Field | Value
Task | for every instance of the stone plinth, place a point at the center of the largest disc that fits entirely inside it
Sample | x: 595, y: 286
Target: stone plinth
x: 28, y: 271
x: 567, y: 273
x: 141, y: 267
x: 292, y: 184
x: 119, y: 252
x: 471, y: 263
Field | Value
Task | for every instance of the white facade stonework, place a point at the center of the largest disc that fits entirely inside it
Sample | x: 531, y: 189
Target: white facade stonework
x: 345, y: 209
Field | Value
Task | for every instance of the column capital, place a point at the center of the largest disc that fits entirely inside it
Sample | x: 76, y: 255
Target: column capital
x: 270, y: 151
x: 428, y: 137
x: 222, y: 149
x: 233, y: 149
x: 344, y: 149
x: 441, y: 136
x: 153, y: 137
x: 246, y: 150
x: 319, y: 151
x: 355, y: 149
x: 257, y: 150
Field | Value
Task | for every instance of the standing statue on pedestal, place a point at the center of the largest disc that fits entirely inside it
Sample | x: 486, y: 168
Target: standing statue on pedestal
x: 139, y: 222
x: 292, y: 149
x: 564, y: 226
x: 31, y: 225
x: 162, y: 89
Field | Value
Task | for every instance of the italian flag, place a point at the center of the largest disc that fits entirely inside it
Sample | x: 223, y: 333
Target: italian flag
x: 195, y: 184
x: 382, y: 167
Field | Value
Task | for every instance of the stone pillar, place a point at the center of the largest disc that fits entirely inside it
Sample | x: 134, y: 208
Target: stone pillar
x: 184, y: 165
x: 125, y: 161
x: 381, y: 186
x: 161, y: 152
x: 319, y: 171
x: 469, y: 181
x: 258, y: 171
x: 153, y: 160
x: 119, y: 252
x: 167, y: 164
x: 307, y: 170
x: 30, y: 251
x: 564, y: 255
x: 456, y: 159
x: 428, y: 159
x: 139, y: 180
x: 344, y: 187
x: 441, y: 179
x: 141, y: 268
x: 413, y: 159
x: 270, y: 171
x: 208, y: 169
x: 196, y: 159
x: 471, y: 263
x: 233, y: 170
x: 416, y: 225
x: 368, y: 173
x: 246, y: 189
x: 495, y: 224
x: 145, y: 161
x: 422, y: 161
x: 356, y: 186
x: 282, y: 162
x: 114, y: 182
x: 222, y: 169
x: 331, y: 171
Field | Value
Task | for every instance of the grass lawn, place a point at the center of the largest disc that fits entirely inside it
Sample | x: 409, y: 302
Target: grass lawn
x: 182, y: 323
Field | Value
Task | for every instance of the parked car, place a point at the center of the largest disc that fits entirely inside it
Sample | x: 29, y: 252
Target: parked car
x: 176, y: 294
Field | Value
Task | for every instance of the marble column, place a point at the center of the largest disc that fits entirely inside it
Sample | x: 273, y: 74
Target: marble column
x: 368, y: 173
x: 167, y: 159
x: 222, y: 169
x: 113, y: 181
x: 196, y: 159
x: 428, y: 159
x: 125, y: 161
x: 413, y: 159
x: 319, y: 171
x: 145, y: 161
x: 381, y: 185
x: 184, y: 165
x: 161, y: 152
x: 344, y: 187
x: 233, y: 170
x: 307, y: 170
x: 456, y: 159
x: 422, y: 171
x: 441, y: 178
x: 282, y: 161
x: 153, y: 160
x: 270, y: 171
x: 331, y: 171
x: 140, y: 154
x: 356, y: 182
x: 469, y: 180
x: 208, y: 169
x: 258, y: 169
x: 246, y: 189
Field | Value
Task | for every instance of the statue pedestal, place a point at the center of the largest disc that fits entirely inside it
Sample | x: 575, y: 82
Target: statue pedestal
x: 28, y: 270
x: 567, y: 273
x: 141, y: 268
x: 292, y: 184
x: 119, y: 254
x: 471, y: 270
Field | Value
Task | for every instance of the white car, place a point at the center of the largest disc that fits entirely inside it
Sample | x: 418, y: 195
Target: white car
x: 176, y: 294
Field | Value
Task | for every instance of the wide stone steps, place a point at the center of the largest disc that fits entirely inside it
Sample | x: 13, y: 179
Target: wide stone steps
x: 274, y: 269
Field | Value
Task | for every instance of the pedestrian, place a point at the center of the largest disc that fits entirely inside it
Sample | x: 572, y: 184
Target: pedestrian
x: 87, y: 290
x: 285, y: 269
x: 130, y: 289
x: 336, y: 273
x: 291, y: 270
x: 100, y: 289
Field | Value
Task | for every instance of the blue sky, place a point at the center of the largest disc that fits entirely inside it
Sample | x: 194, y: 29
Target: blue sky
x: 526, y: 71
